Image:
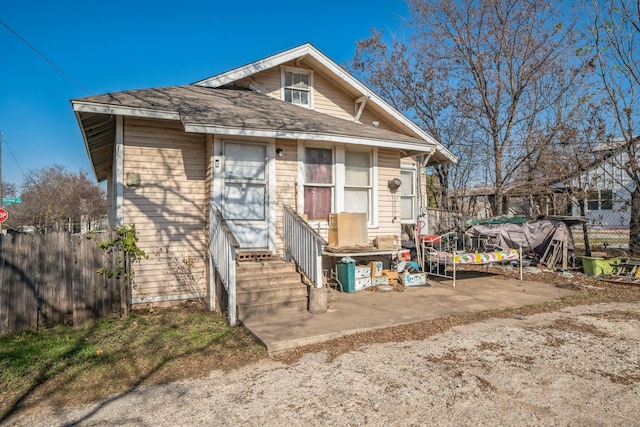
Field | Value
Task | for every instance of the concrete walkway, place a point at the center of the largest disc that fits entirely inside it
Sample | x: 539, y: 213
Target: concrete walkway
x: 365, y: 310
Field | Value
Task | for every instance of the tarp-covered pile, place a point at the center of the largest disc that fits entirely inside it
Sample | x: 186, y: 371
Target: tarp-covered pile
x: 532, y: 237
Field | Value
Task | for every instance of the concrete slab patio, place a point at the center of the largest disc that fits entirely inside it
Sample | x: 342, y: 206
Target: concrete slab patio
x: 365, y: 310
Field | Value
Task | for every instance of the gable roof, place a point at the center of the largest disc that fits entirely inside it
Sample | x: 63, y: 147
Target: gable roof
x: 225, y: 112
x: 321, y: 62
x: 214, y: 105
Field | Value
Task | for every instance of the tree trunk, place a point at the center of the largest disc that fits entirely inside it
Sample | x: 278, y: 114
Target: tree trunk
x: 634, y: 223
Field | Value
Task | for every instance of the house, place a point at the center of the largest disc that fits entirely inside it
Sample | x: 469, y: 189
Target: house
x: 234, y: 152
x: 602, y: 191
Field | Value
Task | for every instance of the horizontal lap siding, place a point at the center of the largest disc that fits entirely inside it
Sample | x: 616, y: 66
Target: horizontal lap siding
x: 330, y: 99
x: 286, y: 180
x: 168, y: 208
x: 388, y: 202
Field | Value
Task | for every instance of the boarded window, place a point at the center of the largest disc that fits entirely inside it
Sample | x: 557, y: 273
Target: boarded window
x: 318, y: 188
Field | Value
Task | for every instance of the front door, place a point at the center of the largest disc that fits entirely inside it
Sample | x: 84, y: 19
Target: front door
x: 245, y: 194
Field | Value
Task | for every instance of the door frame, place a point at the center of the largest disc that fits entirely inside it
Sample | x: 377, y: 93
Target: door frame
x: 270, y: 167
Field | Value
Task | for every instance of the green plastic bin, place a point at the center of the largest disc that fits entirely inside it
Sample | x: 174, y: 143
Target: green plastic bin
x: 596, y: 266
x: 347, y: 275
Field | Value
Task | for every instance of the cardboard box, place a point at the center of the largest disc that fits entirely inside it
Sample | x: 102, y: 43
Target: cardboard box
x: 386, y: 242
x: 363, y: 283
x: 348, y: 229
x: 376, y: 268
x: 378, y: 281
x: 415, y: 279
x: 392, y: 275
x: 362, y: 272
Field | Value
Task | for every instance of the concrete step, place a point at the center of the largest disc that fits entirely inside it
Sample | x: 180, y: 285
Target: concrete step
x: 250, y: 311
x: 257, y: 269
x: 266, y: 288
x: 268, y: 280
x: 269, y: 295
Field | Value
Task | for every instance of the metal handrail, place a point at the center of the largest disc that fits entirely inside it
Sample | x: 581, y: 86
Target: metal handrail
x: 304, y: 245
x: 222, y: 259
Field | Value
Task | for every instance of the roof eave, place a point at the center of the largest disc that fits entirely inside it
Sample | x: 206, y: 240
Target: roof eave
x: 413, y: 148
x: 91, y: 107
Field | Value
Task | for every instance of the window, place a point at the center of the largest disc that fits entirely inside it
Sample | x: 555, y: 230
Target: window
x: 296, y: 86
x: 337, y: 180
x: 599, y: 200
x: 606, y: 200
x: 357, y: 188
x: 318, y: 188
x: 408, y: 195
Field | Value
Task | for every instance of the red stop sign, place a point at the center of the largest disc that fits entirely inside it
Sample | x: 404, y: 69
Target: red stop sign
x: 4, y: 215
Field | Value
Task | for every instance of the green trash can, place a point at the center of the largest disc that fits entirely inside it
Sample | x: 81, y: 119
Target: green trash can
x: 347, y: 275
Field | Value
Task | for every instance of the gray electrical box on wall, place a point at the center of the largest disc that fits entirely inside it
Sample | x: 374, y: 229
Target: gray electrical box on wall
x: 132, y: 179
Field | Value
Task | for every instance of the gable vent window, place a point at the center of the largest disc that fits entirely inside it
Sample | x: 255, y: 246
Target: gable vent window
x: 297, y: 87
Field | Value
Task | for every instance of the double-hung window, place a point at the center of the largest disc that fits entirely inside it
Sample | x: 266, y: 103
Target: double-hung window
x: 297, y: 85
x: 336, y: 179
x: 408, y: 200
x: 357, y: 183
x: 319, y: 183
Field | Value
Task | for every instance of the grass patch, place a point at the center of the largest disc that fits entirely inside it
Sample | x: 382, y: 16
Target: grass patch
x: 67, y: 365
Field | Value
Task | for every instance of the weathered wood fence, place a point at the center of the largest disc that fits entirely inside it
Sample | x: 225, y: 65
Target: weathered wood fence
x: 52, y: 279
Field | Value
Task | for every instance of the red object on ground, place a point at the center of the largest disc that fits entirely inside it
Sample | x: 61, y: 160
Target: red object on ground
x: 430, y: 239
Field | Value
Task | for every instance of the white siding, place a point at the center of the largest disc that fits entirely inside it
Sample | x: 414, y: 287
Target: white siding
x: 168, y: 208
x: 389, y: 221
x: 286, y: 181
x: 328, y: 98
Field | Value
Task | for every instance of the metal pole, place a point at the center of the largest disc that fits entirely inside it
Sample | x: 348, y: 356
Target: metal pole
x: 0, y: 177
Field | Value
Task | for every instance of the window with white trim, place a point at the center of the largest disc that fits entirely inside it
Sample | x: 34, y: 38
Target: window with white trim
x: 357, y: 183
x: 318, y: 183
x: 297, y: 85
x: 599, y: 200
x: 408, y: 200
x: 335, y: 179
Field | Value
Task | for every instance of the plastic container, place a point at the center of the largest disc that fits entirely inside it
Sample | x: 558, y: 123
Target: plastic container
x: 596, y: 266
x: 347, y: 275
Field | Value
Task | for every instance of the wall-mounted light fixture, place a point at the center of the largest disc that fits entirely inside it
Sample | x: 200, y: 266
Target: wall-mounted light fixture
x: 279, y: 152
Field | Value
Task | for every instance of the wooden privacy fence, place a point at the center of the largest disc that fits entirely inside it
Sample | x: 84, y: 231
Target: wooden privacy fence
x: 52, y: 279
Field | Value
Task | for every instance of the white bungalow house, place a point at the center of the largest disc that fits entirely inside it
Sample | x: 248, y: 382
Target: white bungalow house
x: 605, y: 189
x: 219, y: 168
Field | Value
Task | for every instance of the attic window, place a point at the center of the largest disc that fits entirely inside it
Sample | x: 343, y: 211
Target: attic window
x: 297, y: 85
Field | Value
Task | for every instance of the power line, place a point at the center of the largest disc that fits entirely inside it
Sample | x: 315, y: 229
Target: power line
x: 67, y: 76
x: 3, y: 139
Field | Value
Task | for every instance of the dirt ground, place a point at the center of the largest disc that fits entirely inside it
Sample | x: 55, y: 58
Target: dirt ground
x: 574, y: 364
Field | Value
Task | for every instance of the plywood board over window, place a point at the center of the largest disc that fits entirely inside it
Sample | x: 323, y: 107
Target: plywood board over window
x: 318, y: 188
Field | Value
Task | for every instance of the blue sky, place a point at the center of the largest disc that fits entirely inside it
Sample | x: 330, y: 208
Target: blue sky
x: 121, y: 45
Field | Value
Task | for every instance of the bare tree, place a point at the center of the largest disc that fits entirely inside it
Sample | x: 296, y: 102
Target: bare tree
x: 420, y: 90
x: 615, y: 34
x: 54, y: 197
x: 492, y: 75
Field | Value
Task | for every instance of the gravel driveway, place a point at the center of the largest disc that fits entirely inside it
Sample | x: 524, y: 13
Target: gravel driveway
x: 579, y: 367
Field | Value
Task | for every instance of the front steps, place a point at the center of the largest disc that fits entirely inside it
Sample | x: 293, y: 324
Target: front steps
x: 266, y: 288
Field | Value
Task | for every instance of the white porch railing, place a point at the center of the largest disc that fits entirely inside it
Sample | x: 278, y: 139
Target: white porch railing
x: 222, y: 260
x: 304, y: 245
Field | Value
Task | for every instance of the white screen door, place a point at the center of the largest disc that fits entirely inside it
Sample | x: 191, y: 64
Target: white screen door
x: 245, y: 195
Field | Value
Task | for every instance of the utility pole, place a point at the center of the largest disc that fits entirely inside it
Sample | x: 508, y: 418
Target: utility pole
x: 0, y: 177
